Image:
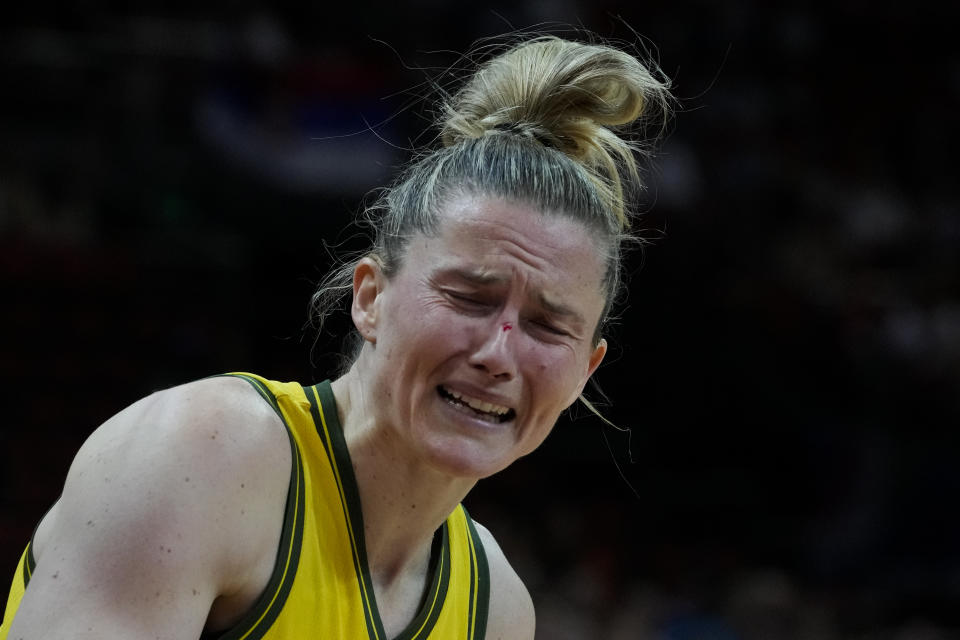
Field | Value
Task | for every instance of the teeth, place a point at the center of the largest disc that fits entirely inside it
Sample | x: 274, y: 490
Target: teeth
x: 478, y: 405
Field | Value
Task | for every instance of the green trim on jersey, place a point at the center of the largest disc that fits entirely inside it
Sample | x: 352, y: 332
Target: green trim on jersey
x: 480, y: 576
x: 456, y: 603
x: 328, y: 428
x: 423, y: 624
x: 331, y: 434
x: 259, y: 619
x: 31, y: 564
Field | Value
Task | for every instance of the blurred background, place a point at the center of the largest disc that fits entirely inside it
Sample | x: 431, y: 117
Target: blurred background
x: 173, y: 180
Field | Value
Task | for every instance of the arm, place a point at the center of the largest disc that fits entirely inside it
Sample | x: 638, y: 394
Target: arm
x: 511, y: 616
x: 169, y: 506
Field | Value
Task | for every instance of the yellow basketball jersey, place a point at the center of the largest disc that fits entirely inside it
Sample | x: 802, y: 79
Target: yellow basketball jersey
x: 321, y: 583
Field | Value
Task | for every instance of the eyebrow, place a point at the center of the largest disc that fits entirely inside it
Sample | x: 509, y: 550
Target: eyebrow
x: 481, y: 276
x: 478, y: 276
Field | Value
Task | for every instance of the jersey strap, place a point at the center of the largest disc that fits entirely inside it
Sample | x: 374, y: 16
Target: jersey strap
x: 258, y: 620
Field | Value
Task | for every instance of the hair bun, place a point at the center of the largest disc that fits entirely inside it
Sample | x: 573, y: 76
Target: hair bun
x: 557, y: 89
x: 580, y: 99
x: 539, y: 124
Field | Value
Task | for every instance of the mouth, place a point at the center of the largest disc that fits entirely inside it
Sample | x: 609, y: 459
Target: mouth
x: 481, y: 409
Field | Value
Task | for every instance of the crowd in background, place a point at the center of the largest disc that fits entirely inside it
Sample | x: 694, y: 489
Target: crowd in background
x: 173, y: 183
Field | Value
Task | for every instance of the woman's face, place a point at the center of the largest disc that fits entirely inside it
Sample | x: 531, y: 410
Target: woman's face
x: 484, y: 335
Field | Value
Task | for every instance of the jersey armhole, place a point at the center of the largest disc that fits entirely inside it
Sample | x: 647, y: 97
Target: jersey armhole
x: 256, y: 622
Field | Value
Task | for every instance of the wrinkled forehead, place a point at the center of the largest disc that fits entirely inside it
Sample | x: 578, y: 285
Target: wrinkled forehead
x: 493, y: 217
x: 494, y: 241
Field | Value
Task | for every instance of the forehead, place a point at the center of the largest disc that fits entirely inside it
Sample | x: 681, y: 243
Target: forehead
x: 496, y: 235
x: 480, y: 213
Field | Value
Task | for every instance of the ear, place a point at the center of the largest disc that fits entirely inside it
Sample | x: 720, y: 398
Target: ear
x: 368, y: 281
x: 595, y: 359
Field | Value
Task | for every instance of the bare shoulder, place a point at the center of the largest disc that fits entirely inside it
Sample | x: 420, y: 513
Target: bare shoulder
x: 171, y: 504
x: 511, y: 616
x: 183, y: 457
x: 192, y: 441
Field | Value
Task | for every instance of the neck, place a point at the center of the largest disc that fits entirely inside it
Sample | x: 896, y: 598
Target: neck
x: 403, y: 500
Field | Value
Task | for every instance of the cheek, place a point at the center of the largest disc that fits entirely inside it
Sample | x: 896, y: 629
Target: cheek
x: 435, y: 322
x: 553, y: 373
x: 427, y: 329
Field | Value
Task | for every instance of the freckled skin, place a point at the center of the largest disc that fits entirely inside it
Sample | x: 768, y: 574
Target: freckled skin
x: 157, y: 472
x: 152, y: 475
x: 434, y: 328
x: 495, y: 309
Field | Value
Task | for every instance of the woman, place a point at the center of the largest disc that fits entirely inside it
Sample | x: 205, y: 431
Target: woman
x: 238, y: 507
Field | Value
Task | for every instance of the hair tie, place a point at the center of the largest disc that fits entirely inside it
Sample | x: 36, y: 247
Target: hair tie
x: 523, y: 129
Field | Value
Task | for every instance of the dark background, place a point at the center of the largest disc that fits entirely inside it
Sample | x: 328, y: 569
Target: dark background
x: 788, y: 360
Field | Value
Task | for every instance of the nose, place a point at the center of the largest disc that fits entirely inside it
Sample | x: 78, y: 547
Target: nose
x: 494, y: 353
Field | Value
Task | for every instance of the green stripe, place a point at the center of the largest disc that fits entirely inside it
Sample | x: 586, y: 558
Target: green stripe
x: 323, y: 408
x: 483, y: 583
x: 264, y: 392
x: 292, y: 542
x: 329, y: 430
x: 313, y: 395
x: 264, y: 613
x: 470, y: 595
x: 426, y: 620
x: 29, y: 564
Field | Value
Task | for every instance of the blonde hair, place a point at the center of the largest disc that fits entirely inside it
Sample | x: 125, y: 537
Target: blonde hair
x: 547, y: 122
x: 568, y: 96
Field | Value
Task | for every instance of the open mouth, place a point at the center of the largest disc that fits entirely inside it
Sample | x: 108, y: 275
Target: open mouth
x: 485, y: 410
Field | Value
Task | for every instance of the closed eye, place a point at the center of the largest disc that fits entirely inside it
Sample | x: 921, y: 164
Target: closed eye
x: 468, y: 301
x: 550, y: 328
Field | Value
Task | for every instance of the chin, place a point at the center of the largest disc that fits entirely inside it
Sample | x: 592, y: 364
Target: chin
x: 465, y: 459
